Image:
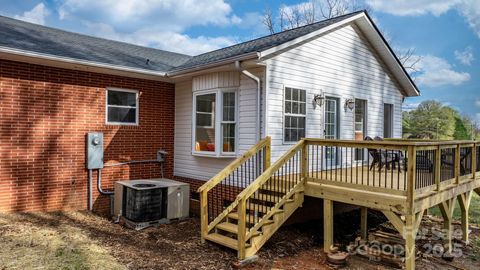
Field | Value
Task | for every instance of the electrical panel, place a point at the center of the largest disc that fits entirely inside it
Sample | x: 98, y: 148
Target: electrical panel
x: 94, y: 150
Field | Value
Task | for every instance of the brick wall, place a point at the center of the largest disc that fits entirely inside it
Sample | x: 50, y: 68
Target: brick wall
x: 44, y: 115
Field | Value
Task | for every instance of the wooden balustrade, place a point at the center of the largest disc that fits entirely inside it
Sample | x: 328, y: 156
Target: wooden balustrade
x: 397, y: 167
x: 218, y: 195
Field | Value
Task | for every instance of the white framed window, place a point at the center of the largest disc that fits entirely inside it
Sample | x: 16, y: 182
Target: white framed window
x: 121, y: 106
x: 215, y: 123
x: 295, y: 111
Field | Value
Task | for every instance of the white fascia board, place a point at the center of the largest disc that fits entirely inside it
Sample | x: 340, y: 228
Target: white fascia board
x: 188, y: 71
x: 78, y: 62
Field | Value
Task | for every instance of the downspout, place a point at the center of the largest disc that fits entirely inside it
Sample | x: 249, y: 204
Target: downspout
x: 257, y: 80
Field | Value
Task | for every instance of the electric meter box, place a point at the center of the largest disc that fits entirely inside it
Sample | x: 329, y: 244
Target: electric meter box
x: 94, y: 150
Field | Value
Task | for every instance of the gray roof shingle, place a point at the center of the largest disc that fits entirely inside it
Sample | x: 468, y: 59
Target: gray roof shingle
x: 30, y: 37
x: 260, y: 44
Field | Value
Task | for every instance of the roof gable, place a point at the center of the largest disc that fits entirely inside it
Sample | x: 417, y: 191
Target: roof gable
x: 260, y: 44
x: 363, y: 21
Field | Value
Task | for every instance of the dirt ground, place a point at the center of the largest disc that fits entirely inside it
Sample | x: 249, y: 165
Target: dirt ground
x: 80, y: 240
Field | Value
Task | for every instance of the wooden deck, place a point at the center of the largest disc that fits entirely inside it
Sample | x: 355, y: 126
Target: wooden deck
x: 399, y: 178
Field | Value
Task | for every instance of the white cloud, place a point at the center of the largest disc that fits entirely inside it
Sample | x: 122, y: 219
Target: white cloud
x: 36, y: 15
x: 412, y: 7
x: 477, y: 103
x: 435, y: 71
x: 169, y: 15
x: 466, y: 57
x: 155, y: 23
x: 167, y: 40
x: 469, y: 9
x: 410, y: 106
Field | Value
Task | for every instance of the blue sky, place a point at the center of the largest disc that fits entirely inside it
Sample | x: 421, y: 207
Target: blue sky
x: 445, y: 34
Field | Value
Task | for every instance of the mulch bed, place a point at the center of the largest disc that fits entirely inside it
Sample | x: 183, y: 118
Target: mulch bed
x: 178, y: 246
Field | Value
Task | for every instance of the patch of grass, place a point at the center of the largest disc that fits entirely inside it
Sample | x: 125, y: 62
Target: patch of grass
x: 474, y: 210
x: 38, y: 241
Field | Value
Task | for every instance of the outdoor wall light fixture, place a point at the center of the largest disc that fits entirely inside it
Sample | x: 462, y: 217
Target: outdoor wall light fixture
x: 350, y: 103
x: 318, y: 99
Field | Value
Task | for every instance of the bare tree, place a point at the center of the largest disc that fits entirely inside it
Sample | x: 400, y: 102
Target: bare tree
x: 314, y: 10
x: 334, y: 8
x: 269, y: 21
x: 409, y: 60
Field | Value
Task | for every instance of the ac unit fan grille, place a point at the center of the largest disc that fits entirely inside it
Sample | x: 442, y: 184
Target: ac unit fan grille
x: 144, y: 205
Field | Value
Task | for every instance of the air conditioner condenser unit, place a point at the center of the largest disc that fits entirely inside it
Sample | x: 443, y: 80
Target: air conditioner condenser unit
x: 143, y: 203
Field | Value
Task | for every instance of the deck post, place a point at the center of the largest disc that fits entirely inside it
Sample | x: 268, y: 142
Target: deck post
x: 364, y: 222
x: 242, y: 228
x: 411, y: 169
x: 327, y: 225
x: 447, y: 208
x: 464, y: 202
x: 268, y: 151
x: 305, y: 160
x: 409, y: 236
x: 203, y: 215
x: 408, y: 229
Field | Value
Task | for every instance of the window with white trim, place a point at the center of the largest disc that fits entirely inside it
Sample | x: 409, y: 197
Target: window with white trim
x: 295, y: 114
x: 122, y: 107
x: 215, y: 124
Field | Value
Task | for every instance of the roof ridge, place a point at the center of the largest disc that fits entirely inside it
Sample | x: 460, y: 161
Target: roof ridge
x: 90, y: 36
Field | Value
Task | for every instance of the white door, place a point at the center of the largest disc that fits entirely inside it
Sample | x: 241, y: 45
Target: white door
x: 331, y: 129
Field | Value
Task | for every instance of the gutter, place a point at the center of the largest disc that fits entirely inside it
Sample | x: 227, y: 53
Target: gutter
x: 238, y: 66
x: 78, y: 62
x: 225, y: 61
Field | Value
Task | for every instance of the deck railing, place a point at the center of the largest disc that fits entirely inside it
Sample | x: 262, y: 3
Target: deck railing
x: 398, y: 167
x: 218, y: 195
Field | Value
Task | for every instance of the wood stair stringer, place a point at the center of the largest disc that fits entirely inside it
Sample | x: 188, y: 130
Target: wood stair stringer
x: 256, y: 242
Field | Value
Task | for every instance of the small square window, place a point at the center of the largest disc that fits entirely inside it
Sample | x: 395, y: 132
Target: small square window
x: 122, y: 107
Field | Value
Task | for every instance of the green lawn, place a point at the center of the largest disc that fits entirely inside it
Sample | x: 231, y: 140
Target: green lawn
x: 474, y: 210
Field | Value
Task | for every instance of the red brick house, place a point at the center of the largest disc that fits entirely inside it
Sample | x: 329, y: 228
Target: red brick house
x: 204, y: 111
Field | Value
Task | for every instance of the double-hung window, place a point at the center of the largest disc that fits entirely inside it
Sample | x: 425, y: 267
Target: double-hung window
x: 122, y: 107
x: 215, y: 123
x: 295, y: 114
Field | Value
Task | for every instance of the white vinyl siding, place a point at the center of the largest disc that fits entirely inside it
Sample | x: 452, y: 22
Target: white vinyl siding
x: 204, y: 168
x: 342, y: 65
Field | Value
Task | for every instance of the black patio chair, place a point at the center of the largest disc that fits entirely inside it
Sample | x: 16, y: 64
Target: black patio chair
x: 380, y: 158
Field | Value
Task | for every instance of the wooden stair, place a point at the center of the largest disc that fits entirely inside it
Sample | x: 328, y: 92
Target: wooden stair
x: 226, y: 232
x: 261, y: 207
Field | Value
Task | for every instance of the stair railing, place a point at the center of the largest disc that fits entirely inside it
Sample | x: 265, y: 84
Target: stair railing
x: 285, y: 176
x: 229, y: 182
